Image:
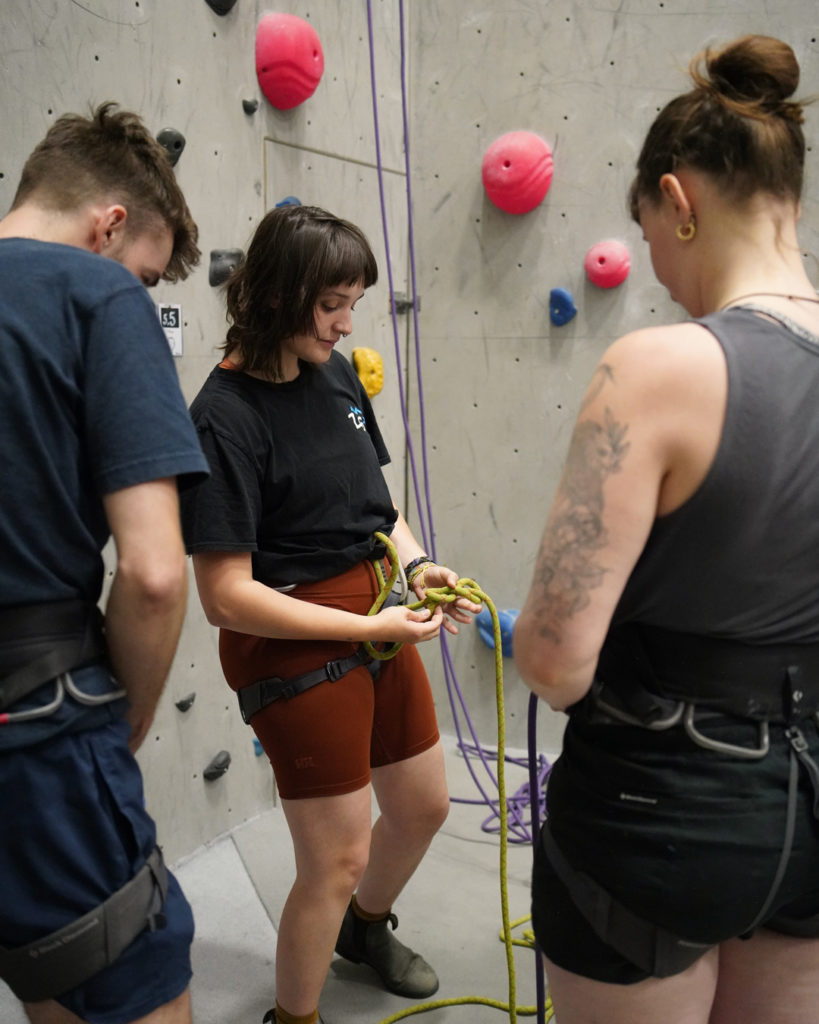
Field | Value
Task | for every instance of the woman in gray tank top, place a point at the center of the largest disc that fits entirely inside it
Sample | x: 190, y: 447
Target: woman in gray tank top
x: 674, y: 607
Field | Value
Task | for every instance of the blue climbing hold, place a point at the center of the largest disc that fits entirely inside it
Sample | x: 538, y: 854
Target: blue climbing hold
x: 289, y: 201
x: 506, y: 621
x: 561, y: 306
x: 258, y: 749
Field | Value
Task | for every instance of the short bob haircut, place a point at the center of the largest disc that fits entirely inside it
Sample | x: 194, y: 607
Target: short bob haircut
x: 737, y: 125
x: 296, y: 254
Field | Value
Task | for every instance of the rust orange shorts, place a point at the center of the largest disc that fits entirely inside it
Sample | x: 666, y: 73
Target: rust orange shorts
x: 325, y: 741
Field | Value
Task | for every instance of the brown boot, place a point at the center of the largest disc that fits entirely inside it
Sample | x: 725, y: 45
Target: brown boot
x: 402, y: 971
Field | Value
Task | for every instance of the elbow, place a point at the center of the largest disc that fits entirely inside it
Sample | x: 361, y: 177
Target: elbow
x: 544, y: 670
x: 160, y: 585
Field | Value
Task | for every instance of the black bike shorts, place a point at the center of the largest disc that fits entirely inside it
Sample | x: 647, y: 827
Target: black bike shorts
x: 686, y: 838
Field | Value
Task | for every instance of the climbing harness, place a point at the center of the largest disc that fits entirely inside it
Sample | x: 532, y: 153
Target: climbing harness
x: 71, y: 955
x: 258, y: 695
x: 255, y: 696
x: 42, y: 643
x: 641, y: 674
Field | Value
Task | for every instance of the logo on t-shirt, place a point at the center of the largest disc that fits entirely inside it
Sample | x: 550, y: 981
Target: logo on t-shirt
x: 357, y: 416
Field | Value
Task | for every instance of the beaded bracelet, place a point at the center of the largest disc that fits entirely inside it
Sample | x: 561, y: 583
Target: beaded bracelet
x: 418, y: 570
x: 415, y: 563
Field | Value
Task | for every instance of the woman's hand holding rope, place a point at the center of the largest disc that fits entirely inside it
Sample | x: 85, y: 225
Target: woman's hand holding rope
x: 457, y: 598
x: 437, y: 586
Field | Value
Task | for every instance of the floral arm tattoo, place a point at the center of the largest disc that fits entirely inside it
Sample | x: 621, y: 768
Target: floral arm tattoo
x: 566, y: 569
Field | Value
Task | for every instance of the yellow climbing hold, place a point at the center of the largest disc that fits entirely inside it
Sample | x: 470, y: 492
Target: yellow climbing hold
x: 370, y: 369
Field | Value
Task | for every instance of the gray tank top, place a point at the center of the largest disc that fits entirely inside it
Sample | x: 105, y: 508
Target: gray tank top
x: 740, y: 559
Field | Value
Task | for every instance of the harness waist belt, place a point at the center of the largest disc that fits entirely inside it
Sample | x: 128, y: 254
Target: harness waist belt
x: 66, y: 958
x: 258, y: 695
x: 647, y: 667
x: 40, y: 642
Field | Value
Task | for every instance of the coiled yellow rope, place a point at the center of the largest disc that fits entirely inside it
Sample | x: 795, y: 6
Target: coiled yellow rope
x: 470, y: 590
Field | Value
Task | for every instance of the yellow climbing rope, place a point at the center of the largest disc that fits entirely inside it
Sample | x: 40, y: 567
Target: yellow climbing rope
x: 434, y: 596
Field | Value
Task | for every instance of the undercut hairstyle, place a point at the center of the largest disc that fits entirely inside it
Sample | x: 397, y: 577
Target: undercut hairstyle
x: 111, y: 156
x: 296, y: 254
x: 738, y: 125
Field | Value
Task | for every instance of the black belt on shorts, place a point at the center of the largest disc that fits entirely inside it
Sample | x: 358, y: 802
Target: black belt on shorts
x: 40, y: 642
x: 70, y: 956
x: 258, y: 695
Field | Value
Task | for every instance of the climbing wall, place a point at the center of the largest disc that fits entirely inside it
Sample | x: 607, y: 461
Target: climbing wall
x: 500, y: 382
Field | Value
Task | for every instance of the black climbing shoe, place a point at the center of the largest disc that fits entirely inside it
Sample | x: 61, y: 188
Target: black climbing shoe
x: 402, y: 971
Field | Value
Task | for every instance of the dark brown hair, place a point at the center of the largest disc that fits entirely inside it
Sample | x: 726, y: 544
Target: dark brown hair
x: 737, y: 124
x: 112, y: 155
x: 297, y: 252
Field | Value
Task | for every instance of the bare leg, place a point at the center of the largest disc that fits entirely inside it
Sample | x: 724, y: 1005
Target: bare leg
x: 414, y: 802
x: 331, y: 839
x: 770, y: 977
x: 682, y: 999
x: 177, y: 1011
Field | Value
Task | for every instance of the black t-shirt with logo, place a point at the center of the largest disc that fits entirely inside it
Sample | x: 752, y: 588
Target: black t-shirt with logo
x: 295, y: 473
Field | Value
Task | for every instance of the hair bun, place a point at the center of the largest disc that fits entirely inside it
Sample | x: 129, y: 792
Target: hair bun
x: 757, y: 69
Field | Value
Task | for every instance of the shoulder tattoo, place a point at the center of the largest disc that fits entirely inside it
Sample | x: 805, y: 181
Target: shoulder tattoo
x: 567, y: 568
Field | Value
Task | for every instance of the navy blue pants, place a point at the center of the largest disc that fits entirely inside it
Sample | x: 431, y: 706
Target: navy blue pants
x: 75, y: 830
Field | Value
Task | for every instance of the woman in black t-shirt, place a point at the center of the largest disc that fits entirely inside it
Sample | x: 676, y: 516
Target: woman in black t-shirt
x: 282, y: 537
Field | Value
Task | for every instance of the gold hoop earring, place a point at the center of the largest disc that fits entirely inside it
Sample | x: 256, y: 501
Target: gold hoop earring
x: 685, y: 232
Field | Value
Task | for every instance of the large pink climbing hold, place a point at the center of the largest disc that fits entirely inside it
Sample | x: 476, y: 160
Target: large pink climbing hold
x: 289, y: 59
x: 517, y: 171
x: 607, y: 264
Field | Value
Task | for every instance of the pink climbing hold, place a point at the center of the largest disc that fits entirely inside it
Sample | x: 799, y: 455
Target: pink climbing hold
x: 289, y: 59
x: 607, y: 264
x: 517, y: 171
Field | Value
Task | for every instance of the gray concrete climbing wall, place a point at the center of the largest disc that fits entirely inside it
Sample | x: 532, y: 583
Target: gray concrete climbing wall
x: 501, y: 385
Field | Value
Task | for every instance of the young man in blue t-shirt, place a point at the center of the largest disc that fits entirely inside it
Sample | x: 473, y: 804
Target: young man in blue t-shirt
x: 95, y: 440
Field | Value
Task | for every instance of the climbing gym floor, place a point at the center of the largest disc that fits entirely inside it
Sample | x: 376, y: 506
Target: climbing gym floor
x: 451, y: 913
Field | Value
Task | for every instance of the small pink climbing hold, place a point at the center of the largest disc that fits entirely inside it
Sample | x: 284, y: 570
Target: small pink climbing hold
x: 517, y: 171
x: 607, y: 264
x: 289, y: 59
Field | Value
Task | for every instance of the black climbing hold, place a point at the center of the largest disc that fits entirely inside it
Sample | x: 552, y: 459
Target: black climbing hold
x: 218, y: 766
x: 250, y: 106
x: 173, y: 142
x: 220, y: 6
x: 186, y: 702
x: 222, y: 264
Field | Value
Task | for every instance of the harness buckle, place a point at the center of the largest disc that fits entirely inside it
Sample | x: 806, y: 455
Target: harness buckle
x: 335, y: 670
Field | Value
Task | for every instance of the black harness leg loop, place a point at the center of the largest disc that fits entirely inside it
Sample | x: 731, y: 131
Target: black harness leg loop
x: 258, y: 695
x: 657, y: 951
x: 71, y: 955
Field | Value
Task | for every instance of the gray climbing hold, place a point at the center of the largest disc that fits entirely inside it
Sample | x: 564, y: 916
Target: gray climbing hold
x: 222, y: 264
x: 173, y: 142
x: 186, y: 702
x: 218, y: 766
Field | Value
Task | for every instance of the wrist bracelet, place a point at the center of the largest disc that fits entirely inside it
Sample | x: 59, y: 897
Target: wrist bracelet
x: 415, y: 563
